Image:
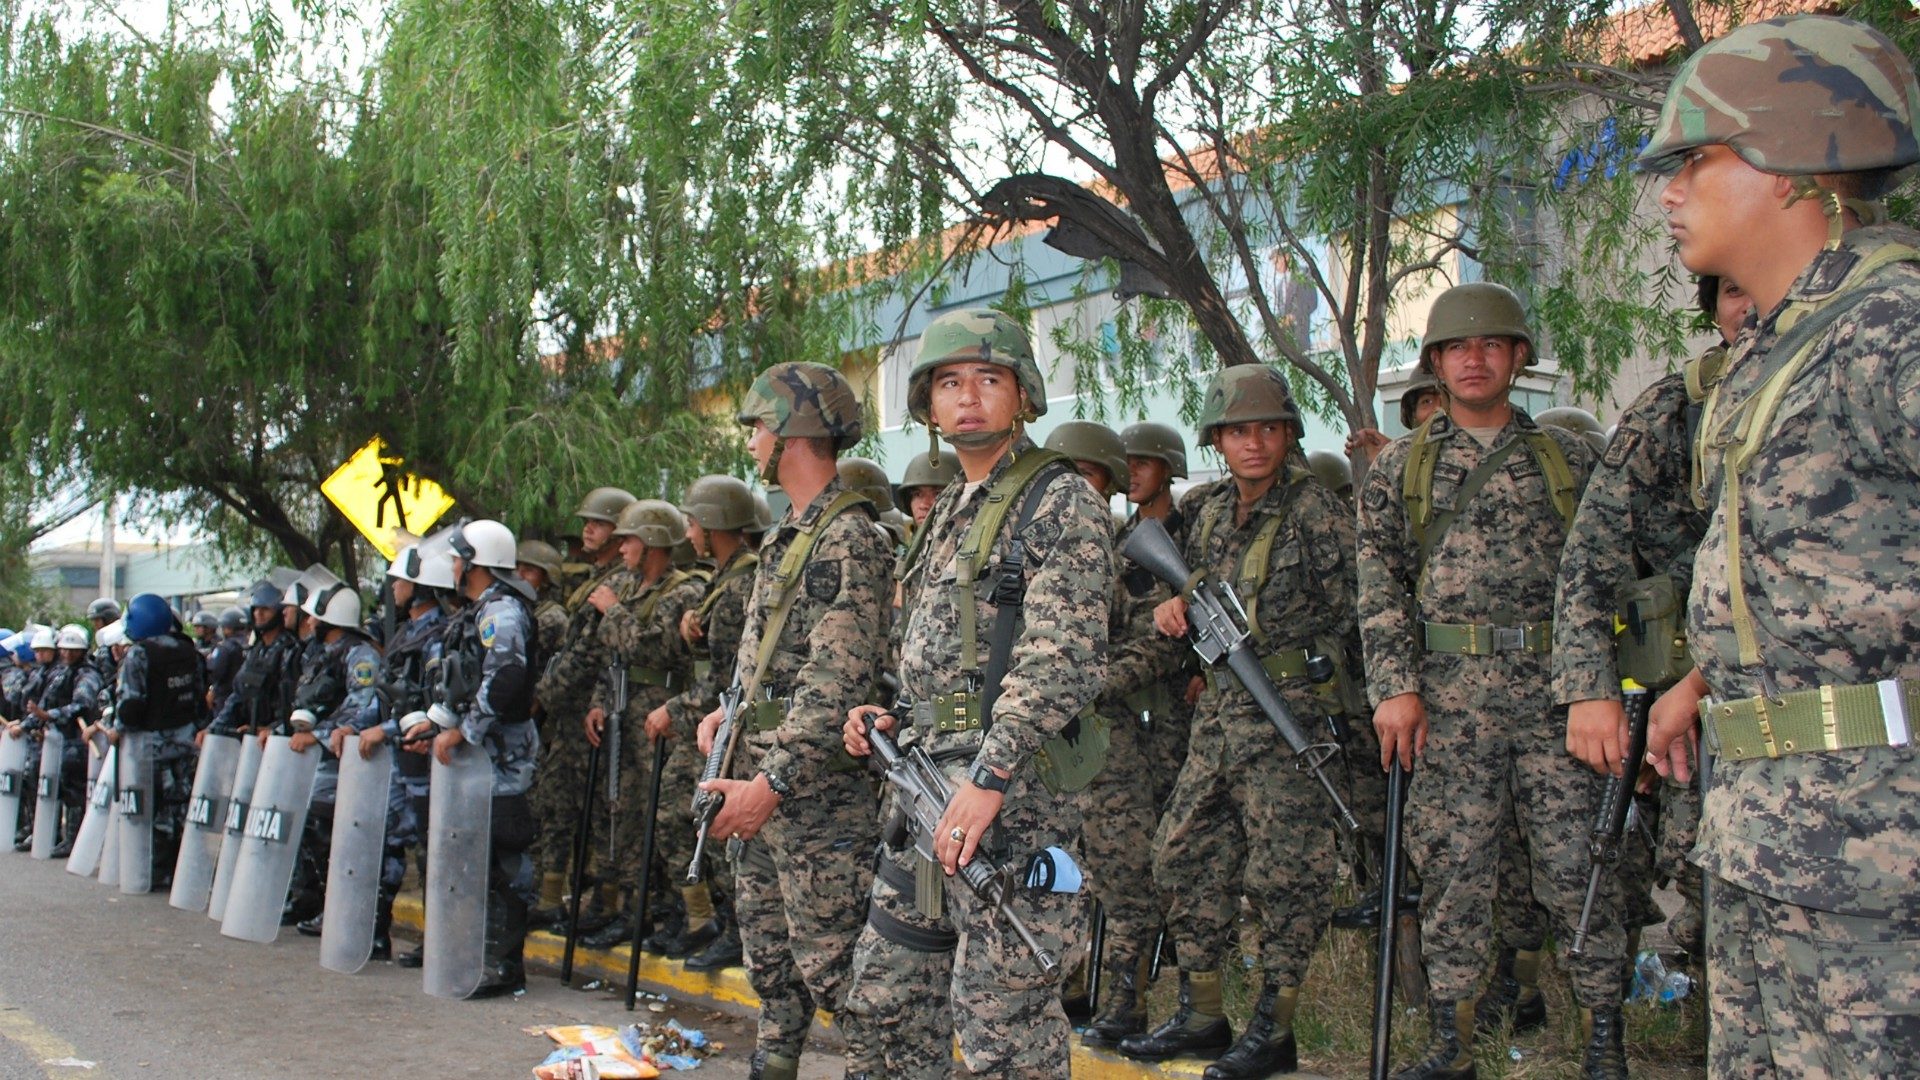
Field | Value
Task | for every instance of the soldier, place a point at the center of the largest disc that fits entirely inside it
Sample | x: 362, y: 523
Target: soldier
x: 335, y: 687
x: 1241, y: 813
x: 1579, y: 421
x: 976, y: 383
x: 1422, y: 398
x: 492, y: 643
x: 926, y: 476
x: 1779, y: 136
x: 99, y: 613
x: 538, y: 564
x: 814, y: 626
x: 69, y: 700
x: 223, y: 666
x: 640, y: 630
x: 44, y: 660
x: 1334, y: 472
x: 206, y: 633
x: 1461, y: 525
x: 263, y: 688
x: 865, y: 476
x: 163, y: 687
x: 561, y: 701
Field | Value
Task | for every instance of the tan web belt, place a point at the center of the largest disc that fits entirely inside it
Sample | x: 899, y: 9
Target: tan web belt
x: 1808, y: 721
x: 1487, y: 639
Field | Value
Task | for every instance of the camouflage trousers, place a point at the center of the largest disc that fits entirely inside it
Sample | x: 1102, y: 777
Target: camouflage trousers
x: 1257, y: 827
x: 1797, y: 992
x: 1119, y: 809
x: 1497, y: 752
x: 1523, y: 923
x: 559, y: 791
x: 800, y: 896
x: 985, y: 986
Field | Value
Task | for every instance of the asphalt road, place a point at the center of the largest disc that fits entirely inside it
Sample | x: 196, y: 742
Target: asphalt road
x: 144, y: 991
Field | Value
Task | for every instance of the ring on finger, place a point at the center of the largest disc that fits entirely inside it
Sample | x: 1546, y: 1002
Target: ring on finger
x: 958, y: 835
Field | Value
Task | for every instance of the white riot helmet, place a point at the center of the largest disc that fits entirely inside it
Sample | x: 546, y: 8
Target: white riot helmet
x: 43, y: 638
x: 406, y: 564
x: 300, y: 594
x: 71, y: 636
x: 435, y: 570
x: 114, y: 633
x: 338, y: 605
x: 485, y: 543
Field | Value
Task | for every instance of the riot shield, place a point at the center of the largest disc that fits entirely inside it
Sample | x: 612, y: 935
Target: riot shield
x: 136, y: 811
x: 271, y: 841
x: 205, y: 824
x: 353, y: 869
x: 13, y: 782
x: 233, y: 824
x: 460, y: 831
x: 110, y: 852
x: 89, y: 842
x: 46, y: 814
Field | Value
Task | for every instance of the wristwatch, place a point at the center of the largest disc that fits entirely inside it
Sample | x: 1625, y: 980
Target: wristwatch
x: 981, y: 776
x: 778, y: 785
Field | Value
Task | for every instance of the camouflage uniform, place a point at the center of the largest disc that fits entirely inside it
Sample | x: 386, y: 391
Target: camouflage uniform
x: 801, y: 881
x: 1496, y: 743
x: 576, y: 671
x: 988, y: 988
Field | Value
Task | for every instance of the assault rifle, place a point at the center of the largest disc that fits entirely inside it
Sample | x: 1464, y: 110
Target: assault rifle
x: 707, y: 804
x: 1217, y: 625
x: 1616, y: 803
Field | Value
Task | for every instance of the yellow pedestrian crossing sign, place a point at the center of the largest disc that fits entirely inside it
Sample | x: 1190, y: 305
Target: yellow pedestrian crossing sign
x: 383, y: 501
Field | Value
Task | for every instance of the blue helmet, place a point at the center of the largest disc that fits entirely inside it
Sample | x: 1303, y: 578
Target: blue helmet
x: 147, y: 616
x: 22, y: 651
x: 265, y: 594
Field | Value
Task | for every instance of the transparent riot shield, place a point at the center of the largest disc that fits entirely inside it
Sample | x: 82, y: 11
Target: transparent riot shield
x: 271, y: 841
x: 136, y: 811
x: 206, y: 823
x: 13, y: 782
x: 46, y: 814
x: 353, y: 868
x: 110, y: 854
x: 91, y: 840
x: 460, y: 831
x: 233, y: 824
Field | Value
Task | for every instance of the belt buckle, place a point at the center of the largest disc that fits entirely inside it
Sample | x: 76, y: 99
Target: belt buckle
x: 1509, y: 638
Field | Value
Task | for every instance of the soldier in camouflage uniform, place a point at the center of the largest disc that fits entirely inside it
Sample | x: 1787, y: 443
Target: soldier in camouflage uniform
x: 1156, y: 456
x: 640, y: 612
x: 927, y: 475
x: 1243, y: 819
x: 561, y: 701
x: 1461, y: 524
x: 1804, y: 604
x: 538, y: 564
x: 805, y: 820
x: 924, y: 975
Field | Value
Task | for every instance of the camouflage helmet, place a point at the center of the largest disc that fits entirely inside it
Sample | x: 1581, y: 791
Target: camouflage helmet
x: 981, y: 334
x: 1476, y: 309
x: 657, y: 522
x: 1085, y: 440
x: 1163, y: 441
x: 1332, y: 470
x: 541, y: 554
x: 1244, y: 393
x: 865, y: 476
x: 723, y: 503
x: 1418, y: 387
x: 684, y: 556
x: 604, y: 504
x: 934, y: 470
x: 804, y: 400
x: 1794, y: 96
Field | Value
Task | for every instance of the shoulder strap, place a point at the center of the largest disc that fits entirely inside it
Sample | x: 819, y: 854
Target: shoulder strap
x: 673, y: 580
x: 980, y: 538
x: 1009, y: 593
x: 1251, y: 572
x: 1416, y: 480
x: 1430, y: 538
x: 741, y: 566
x: 1561, y: 487
x: 787, y: 576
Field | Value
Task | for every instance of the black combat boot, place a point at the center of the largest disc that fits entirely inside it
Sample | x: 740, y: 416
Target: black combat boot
x: 613, y: 935
x: 1606, y: 1056
x: 1266, y: 1047
x: 666, y: 933
x: 1198, y: 1028
x: 724, y: 950
x: 1123, y: 1008
x: 505, y: 972
x: 1514, y: 996
x: 1449, y: 1048
x: 382, y: 928
x: 308, y: 927
x: 412, y: 958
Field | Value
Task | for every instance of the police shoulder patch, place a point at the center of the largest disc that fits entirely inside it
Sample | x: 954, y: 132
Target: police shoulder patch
x: 363, y: 672
x: 823, y: 578
x: 487, y: 631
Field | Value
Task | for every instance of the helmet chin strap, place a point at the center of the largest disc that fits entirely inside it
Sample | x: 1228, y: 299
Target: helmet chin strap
x: 1835, y: 207
x: 770, y: 473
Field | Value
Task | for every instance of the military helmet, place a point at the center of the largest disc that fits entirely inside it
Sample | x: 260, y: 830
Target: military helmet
x: 1085, y: 440
x: 205, y: 620
x: 265, y: 594
x: 1163, y: 441
x: 541, y: 554
x: 1794, y: 96
x: 981, y: 334
x: 684, y: 557
x: 657, y: 522
x: 1476, y: 309
x: 799, y: 399
x: 934, y: 470
x: 865, y: 476
x: 1568, y: 417
x: 762, y: 514
x: 604, y: 504
x: 233, y: 619
x: 720, y: 502
x: 103, y: 608
x: 1331, y: 469
x: 1420, y: 385
x: 1244, y: 393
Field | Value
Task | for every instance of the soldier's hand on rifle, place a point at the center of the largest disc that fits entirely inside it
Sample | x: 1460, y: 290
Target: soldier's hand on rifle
x: 596, y: 719
x: 444, y: 743
x: 603, y: 599
x: 748, y: 805
x: 370, y: 741
x: 709, y: 727
x: 1673, y: 728
x: 1170, y: 618
x: 853, y: 735
x: 1597, y: 735
x: 1401, y: 722
x: 969, y: 813
x: 659, y: 725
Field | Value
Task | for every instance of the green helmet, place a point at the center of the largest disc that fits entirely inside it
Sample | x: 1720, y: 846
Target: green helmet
x: 935, y: 470
x: 1577, y: 420
x: 804, y: 400
x: 1476, y: 309
x: 762, y: 514
x: 604, y: 504
x: 974, y: 334
x: 541, y: 554
x: 720, y: 502
x: 865, y: 476
x: 684, y: 556
x: 1418, y: 387
x: 1244, y: 393
x: 1795, y: 96
x: 1332, y: 470
x: 1085, y: 440
x: 1148, y: 439
x: 657, y: 522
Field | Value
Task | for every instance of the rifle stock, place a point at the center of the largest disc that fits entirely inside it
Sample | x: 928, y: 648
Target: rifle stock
x: 1616, y: 802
